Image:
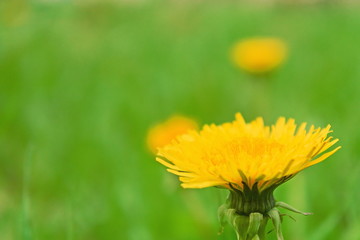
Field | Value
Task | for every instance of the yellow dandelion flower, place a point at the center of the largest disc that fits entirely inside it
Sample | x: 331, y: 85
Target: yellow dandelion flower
x: 249, y: 159
x: 259, y: 55
x: 165, y: 132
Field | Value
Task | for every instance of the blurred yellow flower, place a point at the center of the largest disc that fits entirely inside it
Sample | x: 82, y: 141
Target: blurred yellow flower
x: 165, y: 132
x: 259, y: 55
x: 236, y: 154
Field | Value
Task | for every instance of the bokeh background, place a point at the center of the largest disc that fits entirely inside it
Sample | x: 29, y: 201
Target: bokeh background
x: 81, y: 82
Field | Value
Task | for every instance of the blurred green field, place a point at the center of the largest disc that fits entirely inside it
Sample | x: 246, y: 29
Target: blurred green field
x: 82, y: 83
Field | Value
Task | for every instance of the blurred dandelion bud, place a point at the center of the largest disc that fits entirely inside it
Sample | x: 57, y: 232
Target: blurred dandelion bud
x: 259, y: 55
x: 250, y: 160
x: 164, y: 133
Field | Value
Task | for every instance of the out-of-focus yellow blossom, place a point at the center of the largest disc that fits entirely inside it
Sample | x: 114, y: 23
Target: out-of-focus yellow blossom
x: 163, y: 133
x: 259, y: 55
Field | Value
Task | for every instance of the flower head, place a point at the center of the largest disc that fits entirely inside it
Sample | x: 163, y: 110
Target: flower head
x: 259, y: 55
x: 163, y: 133
x: 235, y: 154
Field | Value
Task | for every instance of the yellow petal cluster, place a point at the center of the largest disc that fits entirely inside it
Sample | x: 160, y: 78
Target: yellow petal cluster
x: 237, y: 153
x: 259, y: 55
x: 163, y: 133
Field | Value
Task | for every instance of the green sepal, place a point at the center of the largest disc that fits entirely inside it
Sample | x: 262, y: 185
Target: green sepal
x: 250, y: 227
x: 274, y: 214
x: 255, y: 220
x: 240, y: 223
x: 282, y: 215
x: 221, y: 215
x: 290, y: 208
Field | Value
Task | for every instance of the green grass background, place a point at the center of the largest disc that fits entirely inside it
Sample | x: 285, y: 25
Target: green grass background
x: 80, y: 85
